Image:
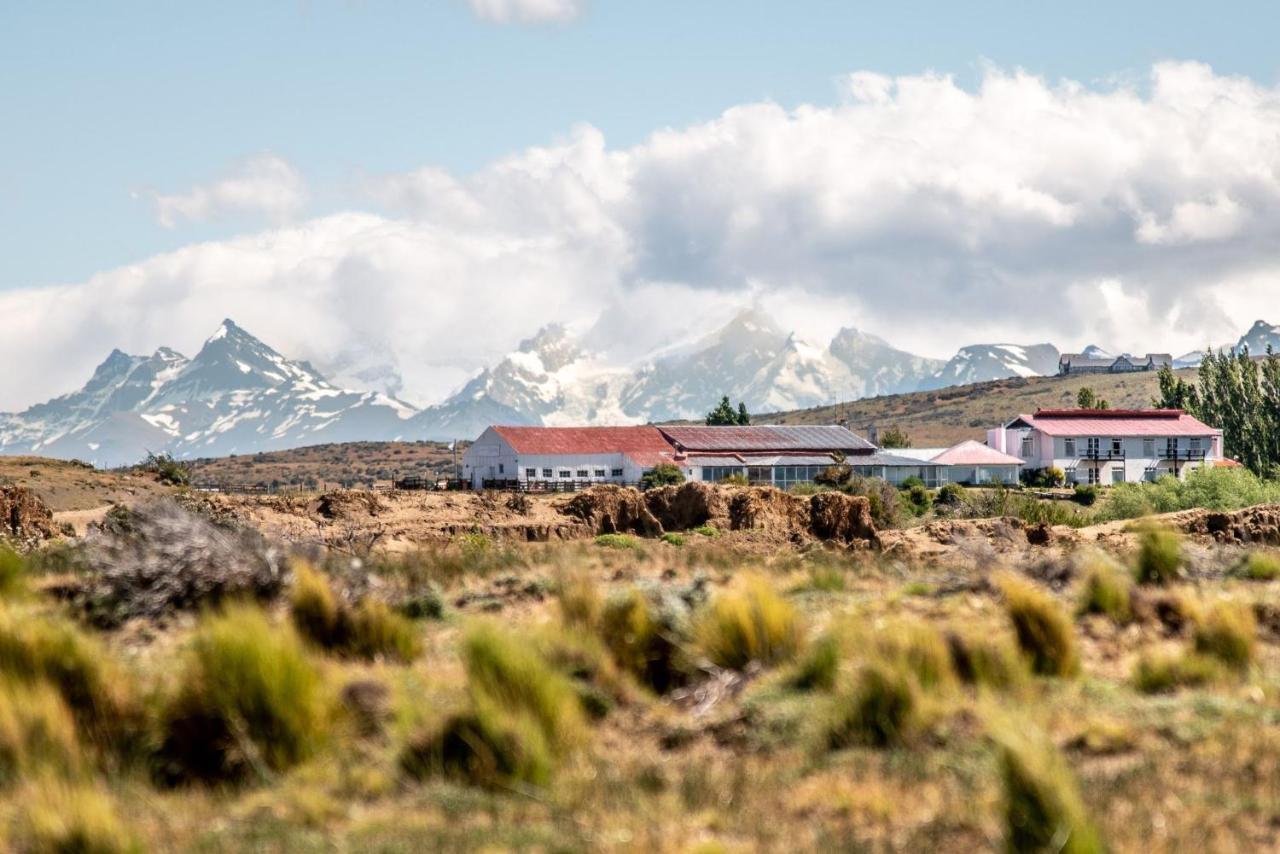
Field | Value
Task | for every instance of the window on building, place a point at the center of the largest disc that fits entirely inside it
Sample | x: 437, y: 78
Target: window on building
x: 1026, y: 447
x: 582, y: 474
x: 1069, y: 447
x: 1117, y: 446
x: 1171, y: 447
x: 1194, y: 443
x: 530, y: 474
x: 565, y: 474
x: 1117, y: 474
x: 616, y: 473
x: 1093, y: 445
x: 1148, y: 448
x: 546, y: 473
x: 599, y: 472
x: 500, y: 469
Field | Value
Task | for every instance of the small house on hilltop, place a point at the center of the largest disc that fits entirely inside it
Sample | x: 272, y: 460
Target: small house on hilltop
x: 1076, y: 363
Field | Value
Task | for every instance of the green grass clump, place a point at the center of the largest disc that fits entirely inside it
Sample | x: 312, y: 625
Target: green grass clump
x: 1106, y: 591
x: 879, y: 708
x: 1160, y: 672
x: 617, y: 541
x: 36, y: 647
x: 1159, y: 556
x: 524, y: 716
x: 818, y: 668
x: 13, y: 573
x: 63, y: 817
x: 1044, y: 634
x: 750, y: 622
x: 646, y: 631
x: 37, y: 732
x: 1258, y: 566
x: 920, y: 648
x: 367, y: 630
x: 673, y: 539
x: 1228, y: 633
x: 707, y: 531
x: 1043, y: 810
x: 579, y: 599
x: 985, y: 661
x: 249, y: 701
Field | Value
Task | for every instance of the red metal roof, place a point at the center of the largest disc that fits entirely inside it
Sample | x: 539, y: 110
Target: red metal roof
x: 971, y: 453
x: 766, y: 438
x: 1117, y: 422
x: 585, y: 440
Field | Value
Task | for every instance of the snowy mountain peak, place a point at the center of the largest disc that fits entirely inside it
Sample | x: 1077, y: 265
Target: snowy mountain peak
x: 553, y: 346
x: 1093, y: 351
x: 1259, y: 337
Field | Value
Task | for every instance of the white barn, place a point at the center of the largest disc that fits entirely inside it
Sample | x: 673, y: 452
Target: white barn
x: 564, y: 457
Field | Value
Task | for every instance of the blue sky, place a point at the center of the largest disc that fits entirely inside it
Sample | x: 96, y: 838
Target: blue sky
x: 102, y: 102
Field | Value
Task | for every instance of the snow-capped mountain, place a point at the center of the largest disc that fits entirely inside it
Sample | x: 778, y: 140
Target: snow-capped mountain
x: 877, y: 368
x: 984, y: 362
x: 1259, y: 337
x: 237, y: 395
x: 1093, y: 351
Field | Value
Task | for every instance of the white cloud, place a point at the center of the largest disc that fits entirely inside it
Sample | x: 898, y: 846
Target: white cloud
x: 1135, y: 217
x: 527, y: 11
x: 264, y: 185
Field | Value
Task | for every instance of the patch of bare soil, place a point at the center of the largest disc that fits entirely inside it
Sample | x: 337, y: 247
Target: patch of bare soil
x: 1252, y: 526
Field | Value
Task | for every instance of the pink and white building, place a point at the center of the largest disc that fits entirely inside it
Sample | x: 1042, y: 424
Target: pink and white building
x: 1106, y: 446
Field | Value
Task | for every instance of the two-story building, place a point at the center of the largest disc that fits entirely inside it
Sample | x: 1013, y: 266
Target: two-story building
x: 1107, y: 446
x: 1076, y: 363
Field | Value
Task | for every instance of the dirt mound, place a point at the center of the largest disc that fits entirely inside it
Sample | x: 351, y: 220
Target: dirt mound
x: 769, y: 510
x: 610, y: 509
x: 25, y: 520
x: 840, y: 517
x: 689, y: 505
x: 1253, y: 525
x: 347, y: 504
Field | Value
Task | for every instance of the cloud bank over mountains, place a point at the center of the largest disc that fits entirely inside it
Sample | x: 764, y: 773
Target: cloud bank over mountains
x: 1143, y: 214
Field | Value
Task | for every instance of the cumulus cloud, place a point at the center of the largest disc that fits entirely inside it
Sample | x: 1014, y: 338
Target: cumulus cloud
x: 264, y: 185
x: 1138, y: 216
x: 527, y: 11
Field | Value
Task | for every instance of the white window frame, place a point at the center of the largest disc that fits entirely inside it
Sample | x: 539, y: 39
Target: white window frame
x: 565, y: 474
x: 548, y: 473
x: 530, y: 474
x: 616, y: 473
x: 1027, y: 446
x: 1149, y: 447
x: 1069, y: 447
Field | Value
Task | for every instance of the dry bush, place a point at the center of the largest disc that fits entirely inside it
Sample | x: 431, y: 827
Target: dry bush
x: 249, y: 701
x: 1107, y: 590
x: 367, y: 630
x: 1159, y: 556
x: 646, y: 630
x: 1043, y: 632
x: 1228, y: 633
x: 750, y: 622
x: 37, y: 732
x: 880, y: 707
x: 154, y: 560
x: 57, y: 816
x: 1043, y: 810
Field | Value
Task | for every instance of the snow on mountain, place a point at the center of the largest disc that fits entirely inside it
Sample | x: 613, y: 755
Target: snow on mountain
x: 877, y: 368
x: 984, y: 362
x: 1093, y: 351
x: 237, y: 395
x: 1259, y: 337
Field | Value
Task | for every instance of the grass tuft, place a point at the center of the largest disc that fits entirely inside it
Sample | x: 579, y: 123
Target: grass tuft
x: 1106, y: 591
x: 817, y: 669
x: 579, y: 599
x: 921, y: 649
x: 707, y: 531
x: 1161, y: 671
x: 1228, y: 633
x: 367, y: 630
x: 880, y: 708
x: 249, y: 702
x: 1258, y: 566
x: 1043, y: 810
x: 672, y: 538
x: 618, y: 541
x: 1159, y: 556
x: 1044, y: 634
x: 13, y: 573
x: 646, y: 631
x: 750, y: 622
x: 37, y: 732
x: 985, y: 661
x: 62, y: 817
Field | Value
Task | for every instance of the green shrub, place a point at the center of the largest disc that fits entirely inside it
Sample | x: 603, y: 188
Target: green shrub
x: 1107, y: 591
x: 880, y: 708
x: 818, y: 667
x: 749, y: 623
x: 663, y: 474
x: 707, y: 531
x: 1258, y: 566
x: 645, y: 631
x: 367, y: 630
x: 985, y: 661
x: 37, y: 732
x: 951, y: 495
x: 57, y: 816
x: 1228, y: 633
x: 1158, y: 672
x: 673, y: 539
x: 1043, y: 810
x: 248, y: 701
x: 427, y: 604
x: 920, y: 499
x: 617, y: 541
x: 909, y: 483
x: 735, y: 479
x: 1043, y: 632
x: 1086, y: 495
x: 167, y: 469
x: 1159, y: 556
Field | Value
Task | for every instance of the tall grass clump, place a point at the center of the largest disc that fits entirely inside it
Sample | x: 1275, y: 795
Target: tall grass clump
x: 1159, y: 556
x: 579, y: 599
x: 1044, y: 634
x: 618, y: 541
x: 249, y: 701
x: 13, y: 573
x: 1043, y: 810
x: 57, y: 816
x: 1157, y: 672
x: 1258, y: 566
x: 750, y: 622
x: 647, y: 631
x: 1106, y: 591
x: 37, y: 732
x: 880, y: 707
x: 818, y: 667
x: 1228, y: 633
x: 35, y: 647
x: 523, y: 717
x: 918, y: 647
x: 367, y: 630
x: 984, y: 661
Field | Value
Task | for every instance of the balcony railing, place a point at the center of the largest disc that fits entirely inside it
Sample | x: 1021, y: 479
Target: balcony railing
x: 1182, y: 454
x: 1101, y: 454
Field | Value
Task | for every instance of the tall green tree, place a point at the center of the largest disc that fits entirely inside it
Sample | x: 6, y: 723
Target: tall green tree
x: 1087, y: 398
x: 744, y: 417
x: 895, y: 437
x: 724, y: 415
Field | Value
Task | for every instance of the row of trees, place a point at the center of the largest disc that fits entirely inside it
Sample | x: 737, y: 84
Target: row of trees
x: 1241, y: 396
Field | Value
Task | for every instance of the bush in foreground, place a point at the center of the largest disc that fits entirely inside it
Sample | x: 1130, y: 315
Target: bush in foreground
x: 818, y: 668
x: 1043, y: 632
x: 880, y: 708
x: 985, y: 661
x: 367, y: 630
x: 249, y: 701
x: 1043, y: 810
x: 13, y: 572
x: 37, y: 732
x: 749, y: 623
x: 1159, y: 556
x: 646, y: 631
x: 62, y: 817
x: 1228, y: 633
